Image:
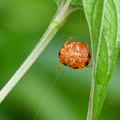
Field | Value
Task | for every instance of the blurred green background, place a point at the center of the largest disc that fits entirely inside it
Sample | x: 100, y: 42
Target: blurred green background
x: 22, y: 23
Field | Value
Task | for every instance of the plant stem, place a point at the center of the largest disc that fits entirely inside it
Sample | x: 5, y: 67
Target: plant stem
x: 51, y: 31
x: 54, y: 26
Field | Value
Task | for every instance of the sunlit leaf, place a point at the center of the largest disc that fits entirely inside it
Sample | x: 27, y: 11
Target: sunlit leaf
x: 103, y: 18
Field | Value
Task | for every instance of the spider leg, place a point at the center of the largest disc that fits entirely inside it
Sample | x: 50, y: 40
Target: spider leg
x: 59, y: 64
x: 87, y: 66
x: 69, y: 40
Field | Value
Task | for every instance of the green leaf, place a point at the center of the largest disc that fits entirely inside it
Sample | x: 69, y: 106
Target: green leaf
x: 103, y: 18
x: 76, y: 2
x: 57, y: 2
x: 73, y: 2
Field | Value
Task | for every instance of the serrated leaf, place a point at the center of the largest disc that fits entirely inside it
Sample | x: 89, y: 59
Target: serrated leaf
x: 73, y: 2
x: 103, y: 18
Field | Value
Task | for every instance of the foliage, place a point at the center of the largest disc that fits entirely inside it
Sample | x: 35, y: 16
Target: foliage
x: 104, y: 24
x: 21, y: 27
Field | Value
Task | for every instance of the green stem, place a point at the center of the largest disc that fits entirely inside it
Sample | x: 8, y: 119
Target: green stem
x: 49, y: 34
x: 54, y: 26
